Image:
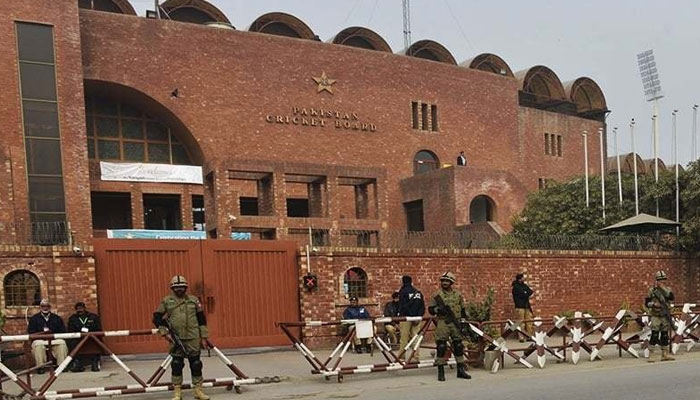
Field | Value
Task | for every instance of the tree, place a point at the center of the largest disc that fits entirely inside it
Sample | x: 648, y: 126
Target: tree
x: 560, y: 208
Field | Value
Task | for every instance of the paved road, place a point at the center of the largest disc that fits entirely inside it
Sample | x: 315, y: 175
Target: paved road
x: 613, y: 378
x: 636, y: 380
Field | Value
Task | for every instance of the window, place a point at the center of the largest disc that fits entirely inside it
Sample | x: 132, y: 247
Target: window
x: 198, y: 213
x: 111, y: 210
x: 414, y: 114
x: 121, y: 132
x: 22, y: 288
x: 249, y: 206
x: 434, y: 118
x: 355, y: 283
x: 414, y: 216
x: 298, y: 208
x: 552, y: 145
x: 162, y: 212
x: 42, y: 141
x: 425, y: 161
x: 424, y: 116
x: 559, y: 153
x: 481, y: 209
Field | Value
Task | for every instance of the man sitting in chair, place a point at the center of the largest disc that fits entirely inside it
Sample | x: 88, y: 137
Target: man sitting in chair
x: 47, y: 322
x: 84, y: 321
x: 355, y: 311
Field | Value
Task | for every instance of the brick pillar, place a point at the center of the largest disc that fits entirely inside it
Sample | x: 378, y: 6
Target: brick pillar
x: 186, y: 209
x: 361, y: 201
x: 137, y: 221
x: 266, y: 196
x: 316, y: 199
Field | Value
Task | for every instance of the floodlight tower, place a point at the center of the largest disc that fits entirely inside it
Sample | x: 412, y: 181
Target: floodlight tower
x: 653, y: 93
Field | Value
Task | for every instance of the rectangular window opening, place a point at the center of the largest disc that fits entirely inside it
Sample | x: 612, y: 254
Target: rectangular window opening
x: 414, y: 216
x: 414, y: 114
x: 546, y: 144
x: 111, y: 210
x: 198, y: 217
x: 162, y: 212
x: 424, y: 116
x: 559, y: 152
x: 434, y: 117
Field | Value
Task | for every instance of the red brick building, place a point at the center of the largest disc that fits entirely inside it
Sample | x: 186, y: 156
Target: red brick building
x: 285, y: 132
x: 290, y: 132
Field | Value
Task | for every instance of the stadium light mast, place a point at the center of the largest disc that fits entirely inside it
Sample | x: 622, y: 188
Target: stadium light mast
x: 406, y: 23
x: 157, y: 3
x: 652, y: 91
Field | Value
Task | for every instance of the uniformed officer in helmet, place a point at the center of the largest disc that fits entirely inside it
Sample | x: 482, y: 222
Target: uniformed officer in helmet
x: 186, y: 317
x: 660, y: 297
x: 445, y: 331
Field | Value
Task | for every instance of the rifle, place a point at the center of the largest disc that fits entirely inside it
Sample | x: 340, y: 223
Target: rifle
x: 450, y: 316
x: 174, y: 337
x: 664, y: 306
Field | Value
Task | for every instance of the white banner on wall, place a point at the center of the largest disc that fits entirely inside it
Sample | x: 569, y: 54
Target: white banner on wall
x: 140, y: 172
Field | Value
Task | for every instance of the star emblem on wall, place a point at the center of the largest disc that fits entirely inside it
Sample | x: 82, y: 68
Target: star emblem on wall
x: 324, y: 83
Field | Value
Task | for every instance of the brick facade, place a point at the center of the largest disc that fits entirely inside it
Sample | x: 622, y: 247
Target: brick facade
x: 562, y: 281
x: 65, y: 278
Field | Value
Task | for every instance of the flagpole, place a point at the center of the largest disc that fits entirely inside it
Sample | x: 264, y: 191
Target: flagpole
x: 585, y: 163
x: 634, y: 157
x: 675, y: 161
x: 602, y: 171
x: 619, y: 172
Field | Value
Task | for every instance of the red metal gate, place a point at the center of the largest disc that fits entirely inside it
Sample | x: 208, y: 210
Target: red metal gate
x: 245, y: 287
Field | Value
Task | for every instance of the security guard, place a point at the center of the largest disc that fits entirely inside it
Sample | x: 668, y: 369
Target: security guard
x: 659, y: 299
x: 452, y: 300
x: 189, y: 324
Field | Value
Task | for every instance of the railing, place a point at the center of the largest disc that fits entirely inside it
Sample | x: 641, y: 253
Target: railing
x: 36, y: 233
x: 479, y: 239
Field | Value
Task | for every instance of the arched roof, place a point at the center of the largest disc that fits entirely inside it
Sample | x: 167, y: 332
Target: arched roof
x: 282, y: 24
x: 357, y: 36
x: 542, y: 82
x: 115, y: 6
x: 195, y: 11
x: 430, y: 50
x: 626, y: 164
x: 586, y: 94
x: 490, y: 63
x: 649, y: 166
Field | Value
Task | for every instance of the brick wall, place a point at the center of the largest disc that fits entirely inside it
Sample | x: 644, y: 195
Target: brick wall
x: 562, y: 281
x: 65, y: 279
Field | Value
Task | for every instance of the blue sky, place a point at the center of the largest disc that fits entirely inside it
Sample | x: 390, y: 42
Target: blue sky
x: 594, y: 38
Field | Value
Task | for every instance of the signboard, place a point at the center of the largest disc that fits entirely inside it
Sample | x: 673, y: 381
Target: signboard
x: 162, y: 234
x: 140, y: 172
x: 154, y: 234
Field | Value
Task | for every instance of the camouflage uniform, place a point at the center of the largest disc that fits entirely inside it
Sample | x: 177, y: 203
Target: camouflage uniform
x: 453, y: 301
x: 659, y: 297
x: 449, y: 331
x: 188, y: 323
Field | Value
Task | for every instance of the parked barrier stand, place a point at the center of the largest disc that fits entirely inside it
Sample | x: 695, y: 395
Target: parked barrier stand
x: 152, y: 385
x: 332, y: 365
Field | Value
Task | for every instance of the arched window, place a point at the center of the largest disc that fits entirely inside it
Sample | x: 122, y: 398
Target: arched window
x: 425, y: 161
x: 355, y: 282
x: 481, y: 209
x: 22, y: 288
x: 119, y: 132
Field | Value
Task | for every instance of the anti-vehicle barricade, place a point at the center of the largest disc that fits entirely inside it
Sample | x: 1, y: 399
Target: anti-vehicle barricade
x: 151, y: 385
x: 363, y: 329
x: 582, y: 333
